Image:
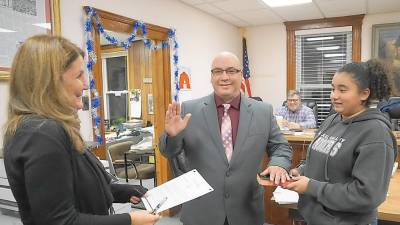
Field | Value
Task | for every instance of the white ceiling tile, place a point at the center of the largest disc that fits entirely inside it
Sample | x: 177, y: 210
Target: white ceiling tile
x: 241, y: 24
x: 383, y: 6
x: 232, y: 19
x: 196, y: 2
x: 208, y: 1
x: 210, y: 9
x: 255, y: 12
x: 258, y: 17
x: 192, y: 2
x: 227, y: 17
x: 298, y: 12
x: 239, y: 5
x: 342, y: 7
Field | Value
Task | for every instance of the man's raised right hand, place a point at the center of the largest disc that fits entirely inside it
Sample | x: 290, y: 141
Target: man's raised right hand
x: 174, y: 123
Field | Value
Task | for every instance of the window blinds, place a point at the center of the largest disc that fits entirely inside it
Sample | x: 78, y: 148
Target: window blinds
x: 318, y: 57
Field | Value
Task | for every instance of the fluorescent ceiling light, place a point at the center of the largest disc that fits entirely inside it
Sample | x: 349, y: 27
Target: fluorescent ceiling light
x: 2, y: 30
x: 320, y: 38
x: 328, y: 48
x: 280, y: 3
x: 333, y: 55
x: 43, y: 25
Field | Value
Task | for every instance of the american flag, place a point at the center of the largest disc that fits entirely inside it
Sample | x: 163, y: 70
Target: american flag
x: 246, y: 71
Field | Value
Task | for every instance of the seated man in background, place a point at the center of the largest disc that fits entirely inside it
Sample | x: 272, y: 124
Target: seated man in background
x: 294, y: 114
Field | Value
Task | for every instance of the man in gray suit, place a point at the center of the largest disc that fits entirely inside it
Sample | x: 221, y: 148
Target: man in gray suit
x: 230, y: 165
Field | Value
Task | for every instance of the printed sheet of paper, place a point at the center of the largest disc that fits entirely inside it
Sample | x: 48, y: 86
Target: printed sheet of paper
x: 184, y: 188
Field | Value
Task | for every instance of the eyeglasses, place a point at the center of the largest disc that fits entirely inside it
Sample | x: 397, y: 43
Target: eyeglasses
x: 229, y: 71
x: 293, y: 100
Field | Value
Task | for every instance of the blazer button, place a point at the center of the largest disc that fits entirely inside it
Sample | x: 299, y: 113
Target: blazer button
x: 226, y: 195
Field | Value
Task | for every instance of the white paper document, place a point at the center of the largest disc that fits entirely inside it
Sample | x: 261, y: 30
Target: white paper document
x: 184, y: 188
x: 285, y: 196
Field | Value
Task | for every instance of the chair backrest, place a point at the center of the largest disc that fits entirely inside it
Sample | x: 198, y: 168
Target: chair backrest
x: 110, y: 162
x: 393, y: 107
x: 310, y: 103
x: 117, y: 150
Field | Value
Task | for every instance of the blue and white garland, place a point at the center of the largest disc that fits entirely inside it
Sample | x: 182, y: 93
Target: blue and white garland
x: 92, y: 58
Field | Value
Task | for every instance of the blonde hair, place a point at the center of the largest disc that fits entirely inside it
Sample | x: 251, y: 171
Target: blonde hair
x: 36, y: 85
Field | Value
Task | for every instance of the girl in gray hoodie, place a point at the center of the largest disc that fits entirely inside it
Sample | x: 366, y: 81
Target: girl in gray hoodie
x: 348, y: 166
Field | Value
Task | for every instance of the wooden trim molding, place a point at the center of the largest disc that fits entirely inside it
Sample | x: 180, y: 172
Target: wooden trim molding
x: 161, y: 71
x: 124, y: 24
x: 56, y: 18
x: 292, y: 26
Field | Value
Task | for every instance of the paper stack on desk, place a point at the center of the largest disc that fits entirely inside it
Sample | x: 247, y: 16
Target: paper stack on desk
x: 284, y: 196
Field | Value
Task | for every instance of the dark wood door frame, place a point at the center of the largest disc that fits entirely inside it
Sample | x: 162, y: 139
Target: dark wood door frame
x: 161, y: 80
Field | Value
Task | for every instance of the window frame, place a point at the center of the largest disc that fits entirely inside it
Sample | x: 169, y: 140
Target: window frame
x: 292, y: 26
x: 106, y: 102
x: 314, y: 82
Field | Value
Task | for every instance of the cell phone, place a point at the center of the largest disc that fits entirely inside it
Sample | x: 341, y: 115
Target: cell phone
x: 265, y: 180
x: 264, y: 177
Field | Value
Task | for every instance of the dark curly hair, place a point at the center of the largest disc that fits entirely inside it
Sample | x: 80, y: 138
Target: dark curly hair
x: 372, y: 74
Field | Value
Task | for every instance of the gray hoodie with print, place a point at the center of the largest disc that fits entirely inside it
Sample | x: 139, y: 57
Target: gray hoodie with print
x: 349, y: 164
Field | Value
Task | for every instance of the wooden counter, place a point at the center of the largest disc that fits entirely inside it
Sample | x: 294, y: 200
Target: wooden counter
x: 389, y: 210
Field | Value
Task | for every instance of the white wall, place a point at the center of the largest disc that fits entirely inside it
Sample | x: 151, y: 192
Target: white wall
x: 266, y: 46
x: 267, y: 55
x: 366, y: 35
x: 199, y: 35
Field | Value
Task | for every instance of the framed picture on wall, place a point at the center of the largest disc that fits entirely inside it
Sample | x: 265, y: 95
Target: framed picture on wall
x: 20, y: 19
x: 386, y: 42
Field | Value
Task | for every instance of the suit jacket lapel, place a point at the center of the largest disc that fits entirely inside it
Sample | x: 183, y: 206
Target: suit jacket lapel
x: 211, y: 118
x: 246, y: 114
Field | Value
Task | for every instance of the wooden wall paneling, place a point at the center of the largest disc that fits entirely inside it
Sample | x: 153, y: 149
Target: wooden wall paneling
x: 149, y: 86
x: 100, y: 150
x: 120, y: 23
x: 161, y: 78
x: 110, y: 49
x: 162, y: 98
x: 356, y: 48
x: 142, y: 67
x: 291, y: 60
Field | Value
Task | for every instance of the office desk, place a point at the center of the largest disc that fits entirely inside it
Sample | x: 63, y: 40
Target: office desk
x: 299, y: 142
x: 390, y: 209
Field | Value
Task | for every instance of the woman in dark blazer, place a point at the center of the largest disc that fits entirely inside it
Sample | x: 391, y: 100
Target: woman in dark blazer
x: 54, y: 179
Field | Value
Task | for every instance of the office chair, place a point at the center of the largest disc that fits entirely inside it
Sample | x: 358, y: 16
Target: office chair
x: 310, y: 103
x: 134, y: 168
x: 392, y: 109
